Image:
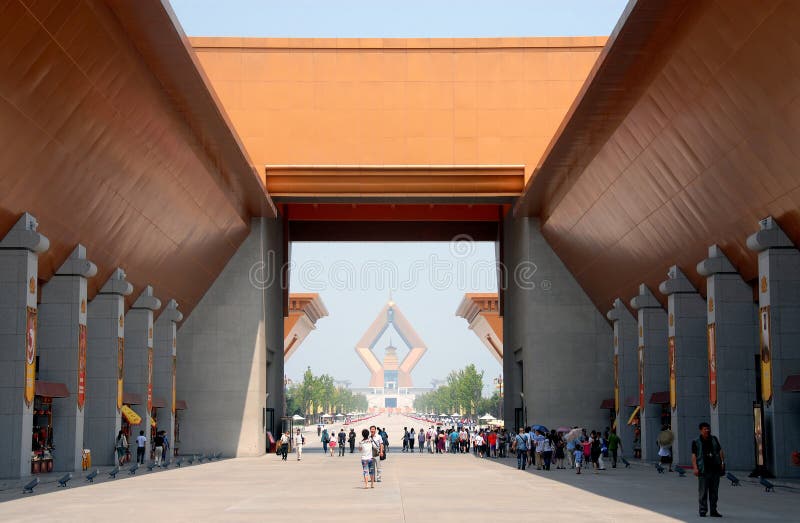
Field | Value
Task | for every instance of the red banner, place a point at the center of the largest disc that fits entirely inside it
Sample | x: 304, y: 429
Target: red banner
x: 712, y: 364
x: 641, y: 377
x: 673, y: 392
x: 81, y: 366
x: 149, y: 379
x: 616, y: 384
x: 766, y: 356
x: 120, y: 368
x: 174, y: 369
x: 30, y: 355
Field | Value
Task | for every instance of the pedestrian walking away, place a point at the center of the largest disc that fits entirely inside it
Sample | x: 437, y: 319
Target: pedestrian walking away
x: 141, y: 441
x: 284, y: 449
x: 325, y: 438
x: 351, y: 439
x: 298, y: 444
x: 520, y: 446
x: 708, y: 462
x: 158, y: 443
x: 614, y: 446
x: 342, y: 441
x: 165, y: 452
x: 121, y: 445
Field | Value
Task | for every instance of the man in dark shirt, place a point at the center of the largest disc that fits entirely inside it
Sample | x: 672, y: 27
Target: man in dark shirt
x: 708, y: 462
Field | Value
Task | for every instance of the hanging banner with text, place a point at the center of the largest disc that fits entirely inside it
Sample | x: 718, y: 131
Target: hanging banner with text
x: 30, y: 355
x: 766, y: 356
x: 641, y: 377
x: 174, y: 369
x: 712, y: 364
x: 673, y: 392
x: 81, y: 366
x: 149, y: 379
x: 120, y: 369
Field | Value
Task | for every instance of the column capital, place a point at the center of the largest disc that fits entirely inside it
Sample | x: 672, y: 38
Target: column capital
x: 676, y: 283
x: 645, y: 299
x: 769, y: 235
x: 618, y: 310
x: 117, y: 284
x: 171, y: 312
x: 76, y: 264
x: 716, y: 263
x: 146, y: 300
x: 23, y: 235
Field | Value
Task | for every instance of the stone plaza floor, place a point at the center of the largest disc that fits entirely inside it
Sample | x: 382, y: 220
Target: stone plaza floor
x: 415, y: 488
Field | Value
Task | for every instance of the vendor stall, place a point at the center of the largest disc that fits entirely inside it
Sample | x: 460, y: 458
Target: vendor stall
x: 42, y: 444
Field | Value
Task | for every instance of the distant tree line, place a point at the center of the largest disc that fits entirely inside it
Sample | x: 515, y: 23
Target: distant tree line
x: 462, y: 393
x: 319, y: 394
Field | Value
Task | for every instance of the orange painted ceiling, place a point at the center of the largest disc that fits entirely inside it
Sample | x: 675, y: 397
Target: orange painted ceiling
x: 687, y: 134
x: 349, y: 119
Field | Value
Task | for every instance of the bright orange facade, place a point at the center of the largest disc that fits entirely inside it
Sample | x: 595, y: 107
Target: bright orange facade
x: 373, y: 103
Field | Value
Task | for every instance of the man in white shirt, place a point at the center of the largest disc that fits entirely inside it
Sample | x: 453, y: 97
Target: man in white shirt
x: 141, y: 442
x: 377, y: 442
x: 298, y: 444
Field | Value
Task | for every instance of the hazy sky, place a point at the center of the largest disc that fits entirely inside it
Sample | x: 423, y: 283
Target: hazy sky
x: 344, y: 273
x: 397, y: 18
x: 428, y: 281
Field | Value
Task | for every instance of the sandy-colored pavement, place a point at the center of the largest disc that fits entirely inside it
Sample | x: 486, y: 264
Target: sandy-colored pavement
x: 414, y: 488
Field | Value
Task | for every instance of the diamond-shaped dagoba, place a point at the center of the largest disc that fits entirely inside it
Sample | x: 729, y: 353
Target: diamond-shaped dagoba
x: 390, y: 315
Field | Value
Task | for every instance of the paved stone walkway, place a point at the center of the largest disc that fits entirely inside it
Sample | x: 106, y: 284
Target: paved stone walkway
x: 415, y: 488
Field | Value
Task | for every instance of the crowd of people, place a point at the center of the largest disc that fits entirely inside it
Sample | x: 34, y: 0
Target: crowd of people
x: 532, y: 446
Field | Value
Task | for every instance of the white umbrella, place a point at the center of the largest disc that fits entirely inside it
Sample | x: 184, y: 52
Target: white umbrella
x: 327, y: 416
x: 486, y: 416
x: 297, y: 417
x: 573, y: 434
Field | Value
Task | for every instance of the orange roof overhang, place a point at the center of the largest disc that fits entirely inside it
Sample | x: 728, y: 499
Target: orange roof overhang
x: 157, y: 34
x: 485, y: 183
x: 634, y: 53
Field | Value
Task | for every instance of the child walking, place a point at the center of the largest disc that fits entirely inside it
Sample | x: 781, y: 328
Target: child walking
x: 578, y: 454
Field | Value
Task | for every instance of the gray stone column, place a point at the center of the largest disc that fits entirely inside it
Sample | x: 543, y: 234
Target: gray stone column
x: 222, y: 371
x: 63, y: 351
x: 779, y: 325
x: 104, y: 368
x: 164, y: 366
x: 626, y: 346
x: 19, y: 270
x: 653, y: 368
x: 732, y: 336
x: 688, y: 361
x: 559, y: 333
x: 273, y: 322
x: 139, y: 359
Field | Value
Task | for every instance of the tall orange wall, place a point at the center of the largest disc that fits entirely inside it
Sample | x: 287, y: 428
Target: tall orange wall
x: 397, y: 101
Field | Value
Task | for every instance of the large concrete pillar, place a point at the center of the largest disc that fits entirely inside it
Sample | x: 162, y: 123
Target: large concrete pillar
x: 554, y: 336
x: 139, y: 358
x: 274, y: 297
x: 105, y: 368
x: 626, y: 372
x: 19, y: 270
x: 63, y: 353
x: 164, y: 366
x: 779, y: 325
x: 732, y: 338
x: 653, y: 368
x: 223, y: 369
x: 688, y: 361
